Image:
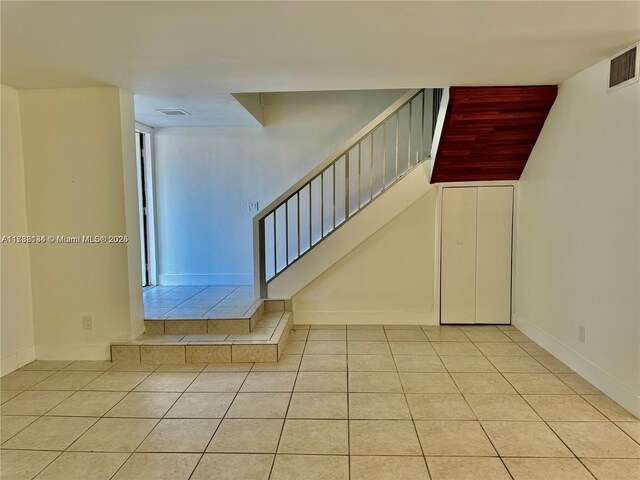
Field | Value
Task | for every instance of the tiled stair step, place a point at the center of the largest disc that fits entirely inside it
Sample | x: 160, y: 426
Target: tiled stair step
x: 218, y: 325
x: 264, y: 344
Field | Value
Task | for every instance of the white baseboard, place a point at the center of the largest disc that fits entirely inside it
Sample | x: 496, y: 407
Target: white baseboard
x: 17, y: 359
x: 205, y: 279
x: 599, y: 378
x: 99, y: 351
x: 364, y: 318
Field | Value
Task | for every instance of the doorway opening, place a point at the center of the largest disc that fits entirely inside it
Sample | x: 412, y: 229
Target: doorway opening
x: 144, y: 163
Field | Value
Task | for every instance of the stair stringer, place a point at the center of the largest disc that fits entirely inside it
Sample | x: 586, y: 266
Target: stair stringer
x: 360, y: 227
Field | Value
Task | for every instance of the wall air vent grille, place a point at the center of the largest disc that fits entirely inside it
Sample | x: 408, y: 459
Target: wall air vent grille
x: 623, y: 68
x: 173, y: 112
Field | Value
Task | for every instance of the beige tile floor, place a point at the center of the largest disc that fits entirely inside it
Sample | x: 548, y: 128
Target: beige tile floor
x: 441, y: 403
x: 193, y: 301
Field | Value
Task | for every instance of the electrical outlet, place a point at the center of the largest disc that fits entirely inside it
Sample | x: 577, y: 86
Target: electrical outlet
x: 87, y: 322
x: 581, y: 333
x: 253, y: 206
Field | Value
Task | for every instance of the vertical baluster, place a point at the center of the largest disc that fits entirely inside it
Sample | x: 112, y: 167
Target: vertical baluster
x: 275, y: 250
x: 359, y: 174
x: 286, y: 232
x: 298, y: 223
x: 310, y: 217
x: 384, y: 154
x: 421, y: 156
x: 262, y: 264
x: 397, y: 133
x: 346, y: 187
x: 333, y: 192
x: 321, y: 205
x: 409, y: 146
x: 371, y: 169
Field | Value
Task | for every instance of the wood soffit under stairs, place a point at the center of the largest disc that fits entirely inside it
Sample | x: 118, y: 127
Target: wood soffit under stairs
x: 489, y: 132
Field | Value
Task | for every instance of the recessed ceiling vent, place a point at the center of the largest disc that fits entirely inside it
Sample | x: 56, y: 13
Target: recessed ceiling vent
x: 623, y: 68
x: 172, y: 112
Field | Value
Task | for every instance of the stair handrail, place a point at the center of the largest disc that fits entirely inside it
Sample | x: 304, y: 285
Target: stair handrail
x: 260, y: 280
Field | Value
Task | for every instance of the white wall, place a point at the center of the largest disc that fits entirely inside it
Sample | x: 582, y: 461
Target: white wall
x: 79, y: 161
x: 578, y: 251
x: 206, y: 176
x: 388, y: 278
x: 16, y: 326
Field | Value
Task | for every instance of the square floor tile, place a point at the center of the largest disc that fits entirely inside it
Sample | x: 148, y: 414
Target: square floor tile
x: 67, y: 380
x: 23, y: 379
x: 310, y: 467
x: 259, y: 405
x: 609, y: 408
x: 228, y: 466
x: 383, y: 437
x: 613, y: 469
x: 117, y: 381
x: 411, y: 348
x: 180, y: 435
x: 33, y: 402
x: 370, y: 335
x: 596, y: 439
x: 318, y: 406
x: 321, y: 382
x: 158, y: 466
x: 578, y: 384
x: 374, y: 382
x: 269, y: 382
x: 446, y: 335
x: 287, y: 363
x: 482, y: 383
x: 455, y: 348
x: 114, y: 435
x: 371, y: 363
x: 10, y: 425
x: 564, y: 408
x: 537, y: 384
x: 367, y: 348
x: 468, y: 364
x: 501, y: 407
x: 332, y: 334
x: 201, y: 405
x: 6, y: 395
x: 378, y: 406
x: 525, y: 439
x: 439, y: 406
x: 427, y: 383
x: 418, y: 363
x: 326, y: 347
x: 246, y: 436
x: 228, y: 367
x: 631, y: 428
x: 24, y: 464
x: 554, y: 365
x: 167, y: 382
x: 218, y: 382
x: 546, y: 468
x: 144, y: 405
x: 467, y: 468
x: 483, y: 336
x: 90, y: 365
x: 388, y: 468
x: 518, y: 365
x: 87, y: 404
x: 50, y: 433
x: 454, y: 438
x: 76, y: 465
x: 47, y: 365
x: 324, y: 363
x: 317, y: 437
x: 406, y: 336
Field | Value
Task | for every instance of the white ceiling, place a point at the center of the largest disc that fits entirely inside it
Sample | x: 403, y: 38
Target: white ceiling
x: 191, y: 55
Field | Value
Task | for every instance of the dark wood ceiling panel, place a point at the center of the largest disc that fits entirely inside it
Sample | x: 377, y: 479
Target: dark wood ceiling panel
x: 489, y: 132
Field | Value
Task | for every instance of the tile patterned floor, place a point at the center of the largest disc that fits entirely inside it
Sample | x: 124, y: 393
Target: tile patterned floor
x: 344, y: 402
x: 215, y: 301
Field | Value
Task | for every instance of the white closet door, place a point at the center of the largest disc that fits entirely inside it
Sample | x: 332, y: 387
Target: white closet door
x: 458, y: 257
x: 493, y: 255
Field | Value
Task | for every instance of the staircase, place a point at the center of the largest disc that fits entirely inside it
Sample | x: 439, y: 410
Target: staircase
x: 387, y: 150
x: 392, y: 148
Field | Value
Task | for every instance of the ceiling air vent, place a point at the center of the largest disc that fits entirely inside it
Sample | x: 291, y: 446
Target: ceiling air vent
x: 172, y: 112
x: 623, y: 68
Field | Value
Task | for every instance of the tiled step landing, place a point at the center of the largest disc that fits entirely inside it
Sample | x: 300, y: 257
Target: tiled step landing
x: 265, y: 343
x: 220, y: 325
